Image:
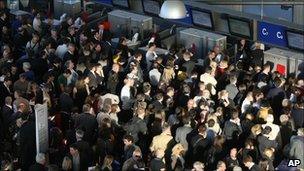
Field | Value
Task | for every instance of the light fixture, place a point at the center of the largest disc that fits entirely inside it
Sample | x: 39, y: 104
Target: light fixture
x: 173, y: 9
x: 25, y: 3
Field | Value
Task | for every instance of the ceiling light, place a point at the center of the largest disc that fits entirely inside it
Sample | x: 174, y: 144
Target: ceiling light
x: 173, y: 9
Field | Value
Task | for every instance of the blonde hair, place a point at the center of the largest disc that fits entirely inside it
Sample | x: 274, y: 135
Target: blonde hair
x: 178, y: 149
x: 168, y: 75
x: 66, y: 163
x: 256, y: 129
x: 107, y: 162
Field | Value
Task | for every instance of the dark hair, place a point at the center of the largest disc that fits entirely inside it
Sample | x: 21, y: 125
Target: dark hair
x: 202, y: 128
x: 151, y: 44
x: 129, y: 138
x: 277, y: 81
x: 211, y: 123
x: 247, y: 159
x: 266, y: 130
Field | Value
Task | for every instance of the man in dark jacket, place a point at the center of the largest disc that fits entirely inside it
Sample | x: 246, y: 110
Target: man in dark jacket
x: 27, y: 142
x: 264, y: 142
x: 199, y: 143
x: 88, y: 123
x: 232, y: 128
x: 5, y: 89
x: 248, y: 162
x: 7, y: 112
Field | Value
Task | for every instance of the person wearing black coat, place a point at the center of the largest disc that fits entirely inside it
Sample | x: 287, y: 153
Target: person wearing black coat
x: 88, y: 123
x: 199, y: 144
x: 264, y: 142
x: 6, y: 114
x: 5, y: 90
x: 248, y: 162
x: 27, y: 142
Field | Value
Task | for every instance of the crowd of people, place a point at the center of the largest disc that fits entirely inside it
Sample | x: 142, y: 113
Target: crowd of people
x: 114, y: 108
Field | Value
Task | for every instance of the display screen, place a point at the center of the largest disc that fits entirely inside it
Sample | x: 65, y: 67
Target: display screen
x: 202, y: 18
x: 121, y: 3
x: 295, y: 40
x: 151, y: 7
x: 240, y: 27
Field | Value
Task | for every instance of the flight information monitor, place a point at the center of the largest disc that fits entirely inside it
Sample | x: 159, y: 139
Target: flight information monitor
x: 240, y: 27
x: 295, y: 40
x: 151, y: 7
x: 202, y: 18
x: 121, y: 3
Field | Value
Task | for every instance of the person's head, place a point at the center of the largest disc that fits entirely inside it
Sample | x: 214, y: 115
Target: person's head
x: 264, y: 164
x: 277, y: 82
x: 198, y: 166
x: 178, y: 150
x: 300, y: 132
x: 69, y: 64
x: 71, y: 47
x: 86, y: 108
x: 219, y: 141
x: 284, y: 119
x: 67, y: 73
x: 35, y: 38
x: 210, y: 123
x: 108, y: 160
x: 137, y: 155
x: 268, y: 152
x: 234, y: 114
x: 269, y: 118
x: 266, y: 131
x: 216, y: 49
x: 249, y: 144
x: 128, y: 140
x: 221, y: 166
x: 233, y: 153
x: 237, y: 168
x: 8, y: 81
x: 187, y: 56
x: 166, y: 128
x: 138, y: 56
x: 266, y: 68
x: 79, y: 134
x: 159, y: 97
x: 74, y: 151
x: 66, y: 163
x: 160, y: 153
x: 202, y: 130
x: 152, y: 46
x: 190, y: 104
x: 233, y: 79
x: 248, y: 161
x: 170, y: 91
x: 256, y: 129
x: 26, y: 66
x: 8, y: 100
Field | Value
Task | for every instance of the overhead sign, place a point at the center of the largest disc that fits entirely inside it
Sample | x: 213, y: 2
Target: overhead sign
x: 272, y: 34
x: 42, y: 134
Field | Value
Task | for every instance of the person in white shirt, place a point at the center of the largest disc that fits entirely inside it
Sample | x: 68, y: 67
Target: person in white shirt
x: 37, y: 23
x: 207, y: 78
x: 62, y: 49
x: 154, y: 76
x: 126, y: 95
x: 247, y: 102
x: 150, y: 55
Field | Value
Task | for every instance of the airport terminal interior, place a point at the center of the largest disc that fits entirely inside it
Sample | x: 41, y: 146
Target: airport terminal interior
x: 151, y: 85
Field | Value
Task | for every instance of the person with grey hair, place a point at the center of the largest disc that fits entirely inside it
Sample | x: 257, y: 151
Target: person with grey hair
x: 297, y: 146
x: 40, y: 163
x: 198, y: 166
x: 237, y: 168
x: 28, y: 73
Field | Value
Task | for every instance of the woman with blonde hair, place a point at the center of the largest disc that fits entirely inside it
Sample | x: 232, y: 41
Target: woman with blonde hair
x: 66, y: 164
x: 168, y: 75
x: 177, y: 159
x: 255, y: 131
x: 107, y: 163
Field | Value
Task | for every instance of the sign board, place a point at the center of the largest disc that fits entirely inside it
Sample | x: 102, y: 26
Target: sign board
x: 272, y: 34
x: 42, y: 134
